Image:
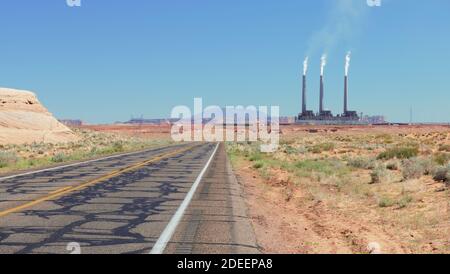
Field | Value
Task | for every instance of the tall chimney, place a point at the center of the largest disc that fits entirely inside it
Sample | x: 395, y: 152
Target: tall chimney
x: 345, y: 94
x: 304, y: 95
x: 321, y: 94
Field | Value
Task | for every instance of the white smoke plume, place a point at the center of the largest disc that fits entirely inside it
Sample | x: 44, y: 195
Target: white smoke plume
x: 323, y: 63
x: 305, y: 66
x: 347, y: 62
x: 345, y: 20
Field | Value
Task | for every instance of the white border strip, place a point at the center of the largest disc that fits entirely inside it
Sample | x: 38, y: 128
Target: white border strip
x: 168, y: 232
x: 78, y: 164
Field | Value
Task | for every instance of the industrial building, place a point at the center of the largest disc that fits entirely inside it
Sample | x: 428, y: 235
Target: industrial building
x: 324, y: 116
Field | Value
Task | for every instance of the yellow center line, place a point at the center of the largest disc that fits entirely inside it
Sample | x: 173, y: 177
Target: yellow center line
x: 66, y: 190
x: 60, y: 189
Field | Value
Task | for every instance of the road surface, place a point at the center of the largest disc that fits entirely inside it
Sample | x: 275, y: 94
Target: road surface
x: 180, y: 199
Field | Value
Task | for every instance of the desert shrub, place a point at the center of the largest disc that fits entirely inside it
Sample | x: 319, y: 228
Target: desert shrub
x: 377, y: 175
x: 393, y: 165
x: 319, y: 148
x: 7, y: 158
x: 385, y: 138
x: 302, y: 150
x: 442, y: 174
x: 327, y: 167
x: 288, y: 193
x: 255, y: 157
x: 444, y: 148
x: 30, y: 162
x: 441, y: 158
x: 94, y: 151
x: 386, y: 202
x: 404, y: 201
x: 58, y: 158
x: 233, y: 148
x: 416, y: 167
x: 362, y: 163
x: 399, y: 153
x: 429, y: 166
x: 258, y: 165
x: 289, y: 150
x: 118, y: 147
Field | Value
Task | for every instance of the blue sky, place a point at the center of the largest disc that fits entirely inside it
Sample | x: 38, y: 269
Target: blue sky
x: 110, y: 59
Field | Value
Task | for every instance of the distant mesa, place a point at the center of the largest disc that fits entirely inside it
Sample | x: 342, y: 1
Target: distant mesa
x: 137, y: 121
x: 71, y: 122
x: 23, y: 119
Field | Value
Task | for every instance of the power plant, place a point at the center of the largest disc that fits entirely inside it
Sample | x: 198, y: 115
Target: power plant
x: 326, y: 116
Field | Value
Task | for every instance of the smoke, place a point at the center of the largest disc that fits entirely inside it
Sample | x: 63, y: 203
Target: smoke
x: 347, y: 62
x: 323, y: 63
x: 345, y: 19
x: 305, y: 66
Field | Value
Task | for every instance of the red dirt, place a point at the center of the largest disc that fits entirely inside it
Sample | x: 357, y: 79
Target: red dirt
x: 145, y: 131
x: 284, y: 226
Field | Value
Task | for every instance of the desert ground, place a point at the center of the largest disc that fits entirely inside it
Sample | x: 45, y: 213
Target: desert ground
x: 146, y: 131
x: 363, y: 189
x: 90, y: 143
x: 327, y: 189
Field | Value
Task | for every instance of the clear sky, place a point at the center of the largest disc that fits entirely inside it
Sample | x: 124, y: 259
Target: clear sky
x: 110, y: 59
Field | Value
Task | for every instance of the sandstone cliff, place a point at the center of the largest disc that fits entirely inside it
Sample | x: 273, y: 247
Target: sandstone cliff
x: 23, y: 119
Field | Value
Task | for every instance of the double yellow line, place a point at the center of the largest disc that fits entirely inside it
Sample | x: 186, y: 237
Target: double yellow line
x: 66, y: 190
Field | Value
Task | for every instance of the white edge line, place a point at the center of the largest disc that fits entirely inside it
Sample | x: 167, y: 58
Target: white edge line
x: 76, y: 164
x: 168, y: 232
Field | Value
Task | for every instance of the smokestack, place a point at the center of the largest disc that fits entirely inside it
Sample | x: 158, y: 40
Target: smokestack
x: 323, y: 62
x: 305, y: 69
x: 345, y: 94
x: 321, y: 94
x: 347, y: 66
x: 304, y: 95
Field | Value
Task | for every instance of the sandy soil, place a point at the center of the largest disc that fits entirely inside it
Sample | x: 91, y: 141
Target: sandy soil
x: 374, y: 129
x: 141, y: 131
x: 318, y: 217
x: 288, y: 227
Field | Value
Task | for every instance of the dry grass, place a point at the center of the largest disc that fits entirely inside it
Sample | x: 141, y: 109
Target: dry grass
x: 394, y: 194
x: 92, y: 144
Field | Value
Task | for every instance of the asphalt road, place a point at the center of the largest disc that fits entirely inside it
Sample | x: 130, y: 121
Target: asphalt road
x: 128, y: 203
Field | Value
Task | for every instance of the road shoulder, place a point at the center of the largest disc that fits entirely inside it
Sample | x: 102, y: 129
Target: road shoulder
x: 216, y: 221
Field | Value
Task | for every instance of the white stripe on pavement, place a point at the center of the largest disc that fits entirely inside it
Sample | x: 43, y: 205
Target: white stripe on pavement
x: 168, y: 232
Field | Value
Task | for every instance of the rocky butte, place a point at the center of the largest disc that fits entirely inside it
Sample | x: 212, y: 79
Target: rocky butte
x: 23, y: 119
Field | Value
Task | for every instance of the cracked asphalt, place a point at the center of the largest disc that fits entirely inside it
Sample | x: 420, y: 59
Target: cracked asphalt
x: 127, y: 212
